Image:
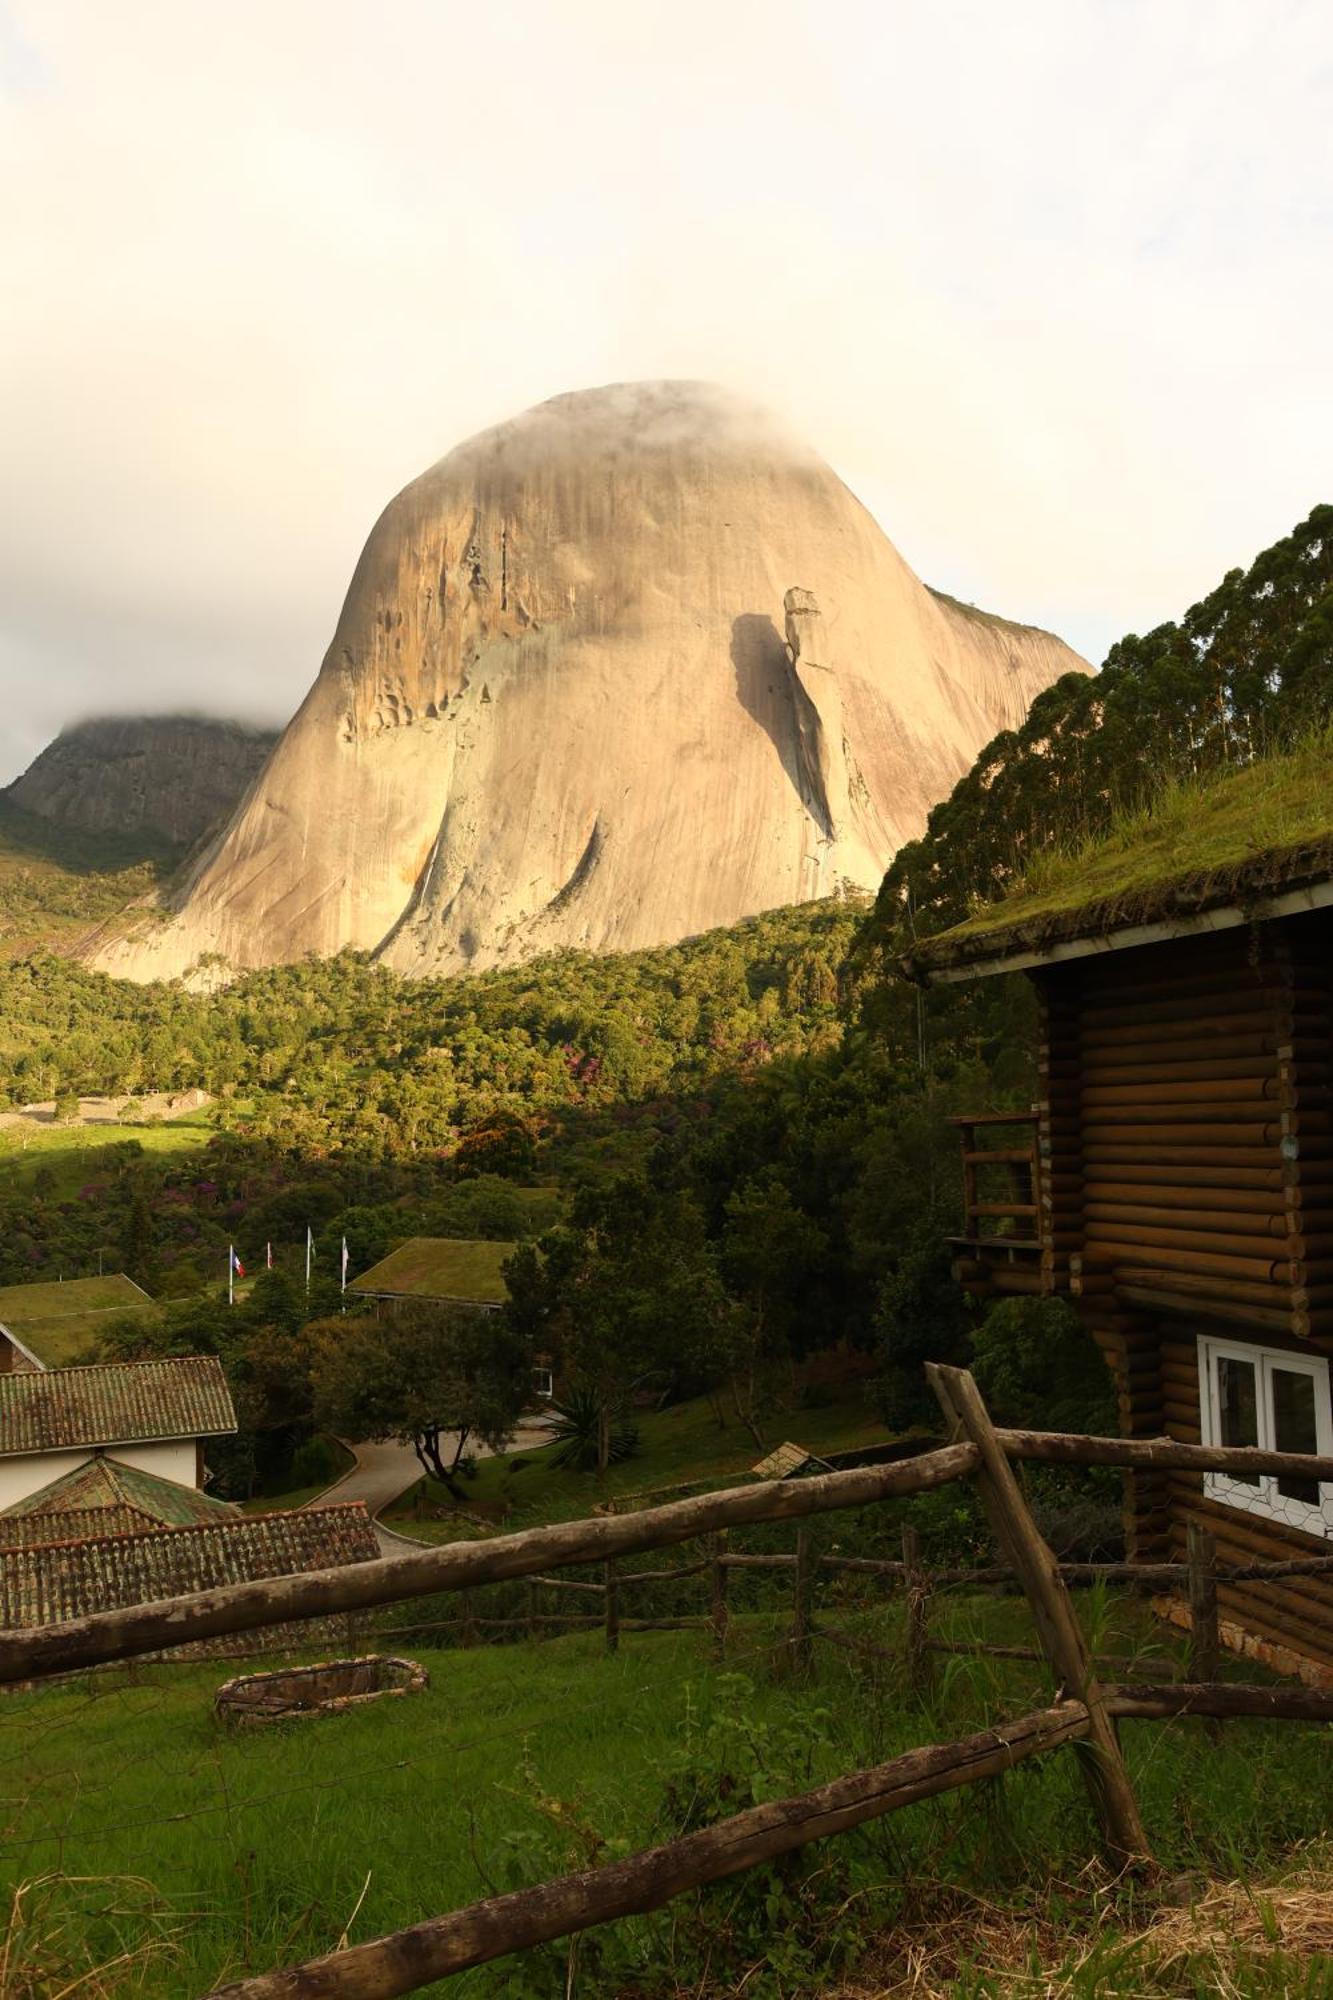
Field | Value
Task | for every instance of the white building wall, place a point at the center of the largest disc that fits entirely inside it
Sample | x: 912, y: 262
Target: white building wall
x: 29, y: 1472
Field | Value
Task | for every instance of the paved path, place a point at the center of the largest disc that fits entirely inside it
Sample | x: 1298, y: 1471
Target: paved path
x: 383, y: 1471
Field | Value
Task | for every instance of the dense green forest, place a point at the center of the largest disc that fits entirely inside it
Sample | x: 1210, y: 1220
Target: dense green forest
x: 1246, y: 671
x: 742, y: 1139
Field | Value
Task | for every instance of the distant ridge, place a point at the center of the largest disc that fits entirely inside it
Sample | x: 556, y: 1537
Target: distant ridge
x: 171, y: 777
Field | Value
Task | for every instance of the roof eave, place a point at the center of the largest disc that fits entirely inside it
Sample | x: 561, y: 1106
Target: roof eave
x: 1227, y: 916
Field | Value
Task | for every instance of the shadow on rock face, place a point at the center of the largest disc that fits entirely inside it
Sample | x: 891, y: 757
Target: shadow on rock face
x: 768, y: 690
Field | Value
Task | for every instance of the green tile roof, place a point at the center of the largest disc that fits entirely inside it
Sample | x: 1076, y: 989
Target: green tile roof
x: 126, y: 1402
x: 103, y: 1484
x: 59, y: 1581
x: 440, y: 1267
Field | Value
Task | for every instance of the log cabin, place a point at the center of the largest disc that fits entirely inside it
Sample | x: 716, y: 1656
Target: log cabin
x: 1175, y: 1180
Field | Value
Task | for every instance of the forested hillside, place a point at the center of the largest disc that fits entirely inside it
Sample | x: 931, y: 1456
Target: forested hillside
x: 742, y: 1139
x: 1246, y: 671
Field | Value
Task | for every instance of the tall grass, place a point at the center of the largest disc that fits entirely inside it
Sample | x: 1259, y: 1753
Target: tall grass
x: 249, y: 1849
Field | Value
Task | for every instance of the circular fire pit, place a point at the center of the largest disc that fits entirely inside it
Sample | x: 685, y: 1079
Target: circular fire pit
x: 321, y: 1690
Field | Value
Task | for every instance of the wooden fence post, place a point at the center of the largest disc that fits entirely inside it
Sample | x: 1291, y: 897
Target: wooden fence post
x: 720, y: 1614
x: 803, y: 1591
x: 1058, y: 1628
x: 920, y: 1667
x: 1205, y: 1640
x: 611, y: 1586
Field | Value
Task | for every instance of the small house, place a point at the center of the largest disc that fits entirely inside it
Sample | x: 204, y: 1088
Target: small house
x: 56, y: 1323
x: 448, y: 1271
x: 153, y: 1416
x: 1175, y: 1179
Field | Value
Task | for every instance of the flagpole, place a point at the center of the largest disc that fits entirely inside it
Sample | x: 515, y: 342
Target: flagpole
x: 231, y: 1274
x: 344, y: 1284
x: 309, y: 1246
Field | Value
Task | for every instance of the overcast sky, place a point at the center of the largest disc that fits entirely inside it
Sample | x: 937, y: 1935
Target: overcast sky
x: 1050, y: 285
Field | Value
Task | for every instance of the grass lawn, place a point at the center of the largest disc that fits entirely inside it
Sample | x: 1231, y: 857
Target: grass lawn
x: 73, y: 1154
x: 297, y: 1496
x: 146, y: 1833
x: 685, y: 1442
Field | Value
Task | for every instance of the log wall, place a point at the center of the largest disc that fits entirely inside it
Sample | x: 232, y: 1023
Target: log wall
x: 1187, y: 1147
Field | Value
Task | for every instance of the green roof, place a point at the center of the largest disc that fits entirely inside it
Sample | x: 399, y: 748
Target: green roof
x: 106, y: 1497
x: 60, y: 1323
x: 440, y: 1267
x: 123, y: 1402
x: 1240, y: 842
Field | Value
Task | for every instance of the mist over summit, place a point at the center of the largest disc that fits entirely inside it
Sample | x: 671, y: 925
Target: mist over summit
x: 631, y: 666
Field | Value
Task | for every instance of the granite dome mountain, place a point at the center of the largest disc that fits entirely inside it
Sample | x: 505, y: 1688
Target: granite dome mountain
x: 628, y: 667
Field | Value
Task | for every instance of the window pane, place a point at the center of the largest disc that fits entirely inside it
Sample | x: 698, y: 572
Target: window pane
x: 1294, y: 1428
x: 1238, y: 1406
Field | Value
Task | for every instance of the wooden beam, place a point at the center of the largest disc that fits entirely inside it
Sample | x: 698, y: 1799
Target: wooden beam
x: 410, y: 1959
x: 1062, y: 1448
x: 247, y: 1607
x: 1224, y: 1698
x: 1058, y: 1628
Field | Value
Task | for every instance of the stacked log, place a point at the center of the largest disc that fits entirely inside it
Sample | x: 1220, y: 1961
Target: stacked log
x: 1186, y: 1120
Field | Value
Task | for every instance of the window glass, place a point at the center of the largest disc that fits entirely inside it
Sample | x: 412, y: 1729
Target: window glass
x: 1295, y: 1428
x: 1238, y: 1408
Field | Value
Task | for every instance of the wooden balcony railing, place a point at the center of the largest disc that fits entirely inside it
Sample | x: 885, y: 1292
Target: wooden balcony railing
x: 1001, y: 1243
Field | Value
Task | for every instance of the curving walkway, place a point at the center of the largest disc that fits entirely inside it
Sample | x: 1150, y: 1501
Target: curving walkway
x: 383, y: 1471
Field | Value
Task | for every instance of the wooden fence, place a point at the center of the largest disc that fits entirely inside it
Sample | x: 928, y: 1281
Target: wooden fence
x: 1084, y: 1713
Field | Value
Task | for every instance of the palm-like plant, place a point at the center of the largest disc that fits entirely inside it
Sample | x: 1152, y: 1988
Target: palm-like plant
x: 578, y: 1424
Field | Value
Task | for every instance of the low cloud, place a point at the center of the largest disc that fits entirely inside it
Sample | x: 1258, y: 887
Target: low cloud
x: 1048, y: 285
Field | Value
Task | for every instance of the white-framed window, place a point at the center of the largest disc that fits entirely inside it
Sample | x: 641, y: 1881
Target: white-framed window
x: 1279, y: 1401
x: 543, y: 1382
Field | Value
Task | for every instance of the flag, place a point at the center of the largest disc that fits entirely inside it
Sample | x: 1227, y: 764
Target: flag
x: 344, y: 1263
x: 236, y: 1264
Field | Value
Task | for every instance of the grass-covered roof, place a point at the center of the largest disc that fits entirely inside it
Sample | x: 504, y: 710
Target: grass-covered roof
x: 1235, y: 841
x: 61, y: 1323
x: 440, y: 1267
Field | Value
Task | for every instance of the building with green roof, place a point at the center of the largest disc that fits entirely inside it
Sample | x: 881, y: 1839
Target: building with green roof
x: 55, y: 1323
x: 448, y: 1270
x: 1175, y: 1179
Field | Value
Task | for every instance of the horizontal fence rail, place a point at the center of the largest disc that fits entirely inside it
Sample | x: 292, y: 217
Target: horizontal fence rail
x: 105, y: 1636
x: 1085, y: 1712
x: 644, y: 1882
x: 246, y: 1607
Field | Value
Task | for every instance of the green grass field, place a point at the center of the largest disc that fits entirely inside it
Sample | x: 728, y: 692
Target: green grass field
x: 76, y: 1154
x: 683, y: 1443
x: 139, y: 1835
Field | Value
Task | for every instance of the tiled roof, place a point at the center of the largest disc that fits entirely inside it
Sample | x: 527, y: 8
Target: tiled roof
x: 123, y: 1402
x: 63, y: 1580
x: 106, y: 1483
x: 787, y: 1461
x: 30, y: 1531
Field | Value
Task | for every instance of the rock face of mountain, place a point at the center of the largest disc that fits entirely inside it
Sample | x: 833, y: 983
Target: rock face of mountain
x: 171, y: 776
x: 626, y: 668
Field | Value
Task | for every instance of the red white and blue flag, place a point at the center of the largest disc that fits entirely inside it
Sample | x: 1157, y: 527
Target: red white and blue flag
x: 237, y: 1266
